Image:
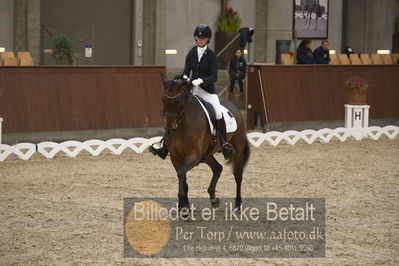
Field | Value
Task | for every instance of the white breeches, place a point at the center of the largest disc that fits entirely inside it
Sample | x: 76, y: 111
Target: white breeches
x: 211, y: 98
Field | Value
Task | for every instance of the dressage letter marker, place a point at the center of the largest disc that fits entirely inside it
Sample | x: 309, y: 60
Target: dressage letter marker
x: 357, y: 116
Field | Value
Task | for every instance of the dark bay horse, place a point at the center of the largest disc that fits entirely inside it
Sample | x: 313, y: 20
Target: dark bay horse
x: 189, y: 139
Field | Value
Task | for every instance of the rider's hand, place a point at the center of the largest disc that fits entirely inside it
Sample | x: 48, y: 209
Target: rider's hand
x: 197, y: 82
x: 186, y: 78
x: 179, y: 76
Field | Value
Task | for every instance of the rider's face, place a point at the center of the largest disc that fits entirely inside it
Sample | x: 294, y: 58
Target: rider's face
x: 201, y: 41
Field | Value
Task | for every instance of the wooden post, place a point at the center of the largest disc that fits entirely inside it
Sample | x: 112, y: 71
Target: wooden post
x: 1, y: 121
x: 225, y: 4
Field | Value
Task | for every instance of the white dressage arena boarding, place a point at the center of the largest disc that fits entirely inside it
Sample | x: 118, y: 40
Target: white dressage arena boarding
x: 139, y: 145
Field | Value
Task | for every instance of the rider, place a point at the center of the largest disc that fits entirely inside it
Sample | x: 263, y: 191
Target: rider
x: 202, y: 62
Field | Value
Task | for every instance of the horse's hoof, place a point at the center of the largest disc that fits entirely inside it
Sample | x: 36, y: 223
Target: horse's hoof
x: 184, y: 213
x: 215, y: 202
x: 238, y: 204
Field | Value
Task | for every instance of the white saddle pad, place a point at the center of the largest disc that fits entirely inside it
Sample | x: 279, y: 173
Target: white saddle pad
x: 231, y: 123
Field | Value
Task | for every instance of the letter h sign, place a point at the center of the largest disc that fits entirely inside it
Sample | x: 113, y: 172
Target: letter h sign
x: 356, y: 116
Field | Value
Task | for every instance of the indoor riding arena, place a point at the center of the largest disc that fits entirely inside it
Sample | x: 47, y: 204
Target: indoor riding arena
x: 302, y: 169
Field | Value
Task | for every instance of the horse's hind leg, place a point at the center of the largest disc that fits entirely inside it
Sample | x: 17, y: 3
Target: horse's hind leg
x: 238, y: 169
x: 216, y: 170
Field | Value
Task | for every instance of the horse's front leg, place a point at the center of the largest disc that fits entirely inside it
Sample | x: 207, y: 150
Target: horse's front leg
x: 216, y: 170
x: 183, y: 186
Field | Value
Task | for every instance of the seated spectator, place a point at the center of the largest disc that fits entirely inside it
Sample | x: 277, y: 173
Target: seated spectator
x: 304, y: 53
x: 348, y: 51
x: 237, y: 70
x: 322, y: 54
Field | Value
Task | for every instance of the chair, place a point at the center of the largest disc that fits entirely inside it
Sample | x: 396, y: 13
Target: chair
x: 354, y: 59
x: 10, y: 61
x: 376, y: 59
x: 286, y: 59
x: 334, y: 59
x: 387, y: 59
x: 343, y: 58
x: 366, y: 60
x: 23, y: 53
x: 26, y: 61
x: 3, y: 55
x: 395, y: 58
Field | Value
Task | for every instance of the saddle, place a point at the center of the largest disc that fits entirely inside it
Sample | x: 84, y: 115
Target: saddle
x: 231, y: 123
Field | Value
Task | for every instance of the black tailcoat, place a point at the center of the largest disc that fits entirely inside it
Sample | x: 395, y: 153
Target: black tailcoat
x: 206, y: 69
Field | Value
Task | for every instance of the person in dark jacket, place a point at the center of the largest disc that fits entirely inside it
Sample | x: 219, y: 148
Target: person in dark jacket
x: 237, y: 70
x: 322, y: 54
x: 201, y: 61
x: 304, y: 53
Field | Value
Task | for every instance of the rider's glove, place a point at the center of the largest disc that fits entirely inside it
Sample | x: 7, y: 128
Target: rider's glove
x: 186, y: 78
x: 197, y: 82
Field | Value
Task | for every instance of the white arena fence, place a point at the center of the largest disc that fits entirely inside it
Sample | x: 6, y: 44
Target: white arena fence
x: 139, y: 145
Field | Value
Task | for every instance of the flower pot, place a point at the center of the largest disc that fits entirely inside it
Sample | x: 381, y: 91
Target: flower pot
x: 357, y: 96
x: 221, y: 40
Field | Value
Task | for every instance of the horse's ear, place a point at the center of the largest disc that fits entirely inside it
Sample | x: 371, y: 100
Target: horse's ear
x: 164, y: 80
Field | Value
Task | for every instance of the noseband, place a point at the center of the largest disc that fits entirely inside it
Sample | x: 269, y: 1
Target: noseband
x: 180, y: 115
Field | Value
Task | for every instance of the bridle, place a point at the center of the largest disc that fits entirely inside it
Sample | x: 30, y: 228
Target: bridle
x: 180, y: 115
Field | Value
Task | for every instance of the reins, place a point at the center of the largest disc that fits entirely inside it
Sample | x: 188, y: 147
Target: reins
x: 174, y: 97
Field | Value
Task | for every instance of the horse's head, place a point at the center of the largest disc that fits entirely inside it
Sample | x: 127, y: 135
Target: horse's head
x: 175, y: 99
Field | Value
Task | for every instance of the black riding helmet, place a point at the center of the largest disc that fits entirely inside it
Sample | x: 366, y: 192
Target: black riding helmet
x: 203, y: 31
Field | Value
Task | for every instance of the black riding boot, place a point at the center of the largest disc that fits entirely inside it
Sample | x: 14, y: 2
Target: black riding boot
x: 227, y: 148
x: 161, y: 152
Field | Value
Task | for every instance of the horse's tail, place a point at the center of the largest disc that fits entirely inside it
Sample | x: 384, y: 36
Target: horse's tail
x: 247, y: 152
x: 245, y: 155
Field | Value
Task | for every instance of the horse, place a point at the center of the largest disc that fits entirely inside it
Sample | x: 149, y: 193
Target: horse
x: 190, y: 142
x: 308, y: 7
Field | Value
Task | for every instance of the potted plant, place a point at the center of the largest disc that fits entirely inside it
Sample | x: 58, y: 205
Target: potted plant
x: 357, y: 90
x: 229, y: 25
x: 63, y: 51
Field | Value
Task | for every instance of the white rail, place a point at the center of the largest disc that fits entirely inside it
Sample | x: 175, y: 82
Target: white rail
x: 117, y: 146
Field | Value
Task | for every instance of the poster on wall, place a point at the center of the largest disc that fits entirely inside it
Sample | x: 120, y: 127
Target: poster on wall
x: 310, y: 19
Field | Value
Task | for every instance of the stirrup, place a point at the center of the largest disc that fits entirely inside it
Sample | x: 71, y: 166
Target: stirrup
x: 227, y: 150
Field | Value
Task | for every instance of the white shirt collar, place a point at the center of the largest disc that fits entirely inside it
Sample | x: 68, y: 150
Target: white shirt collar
x: 201, y: 51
